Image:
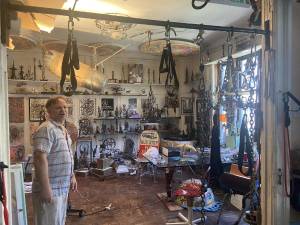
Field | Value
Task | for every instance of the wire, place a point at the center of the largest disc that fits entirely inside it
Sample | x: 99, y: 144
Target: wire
x: 200, y: 6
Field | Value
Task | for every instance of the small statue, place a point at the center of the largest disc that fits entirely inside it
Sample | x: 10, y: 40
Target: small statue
x: 117, y: 112
x: 21, y: 73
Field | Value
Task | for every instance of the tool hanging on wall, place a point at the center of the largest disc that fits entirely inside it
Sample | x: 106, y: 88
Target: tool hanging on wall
x: 3, y: 198
x: 71, y: 58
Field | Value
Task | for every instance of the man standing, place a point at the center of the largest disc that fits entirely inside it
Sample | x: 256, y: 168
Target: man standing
x: 53, y: 164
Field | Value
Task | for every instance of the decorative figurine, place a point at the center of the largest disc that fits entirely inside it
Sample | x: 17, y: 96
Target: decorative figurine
x: 153, y: 77
x: 21, y: 73
x: 34, y: 69
x: 13, y: 71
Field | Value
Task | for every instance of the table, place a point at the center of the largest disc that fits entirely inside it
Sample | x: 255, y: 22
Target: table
x: 169, y: 166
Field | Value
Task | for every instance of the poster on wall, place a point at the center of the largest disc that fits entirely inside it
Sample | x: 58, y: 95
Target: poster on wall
x: 107, y: 104
x: 69, y: 102
x: 33, y: 127
x: 84, y: 152
x: 37, y: 108
x: 16, y: 109
x: 16, y: 137
x: 186, y: 105
x: 87, y: 107
x: 135, y: 73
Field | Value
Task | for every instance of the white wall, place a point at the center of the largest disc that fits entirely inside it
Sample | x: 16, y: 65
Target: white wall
x: 4, y: 140
x: 114, y: 64
x: 294, y: 66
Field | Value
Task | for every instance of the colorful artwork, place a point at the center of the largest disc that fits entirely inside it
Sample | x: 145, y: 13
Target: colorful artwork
x: 17, y: 153
x: 37, y: 108
x: 179, y: 47
x: 16, y: 109
x: 87, y: 107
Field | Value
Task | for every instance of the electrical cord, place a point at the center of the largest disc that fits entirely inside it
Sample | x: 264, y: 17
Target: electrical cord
x: 200, y: 6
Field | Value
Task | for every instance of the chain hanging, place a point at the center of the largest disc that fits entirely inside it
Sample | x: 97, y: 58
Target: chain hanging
x: 203, y: 105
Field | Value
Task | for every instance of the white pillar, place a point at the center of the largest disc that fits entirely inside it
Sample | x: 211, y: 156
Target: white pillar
x: 4, y: 136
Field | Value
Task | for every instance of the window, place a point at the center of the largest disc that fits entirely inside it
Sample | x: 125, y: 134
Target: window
x: 241, y: 100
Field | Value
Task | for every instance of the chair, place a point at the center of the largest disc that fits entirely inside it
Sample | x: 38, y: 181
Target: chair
x: 189, y: 191
x: 148, y: 138
x: 234, y: 182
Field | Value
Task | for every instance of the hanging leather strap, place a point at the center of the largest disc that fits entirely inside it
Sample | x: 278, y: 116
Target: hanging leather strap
x: 245, y: 146
x: 167, y: 65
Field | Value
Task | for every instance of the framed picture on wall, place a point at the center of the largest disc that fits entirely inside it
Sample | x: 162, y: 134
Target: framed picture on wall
x: 16, y: 109
x: 87, y: 107
x: 107, y: 104
x: 135, y: 73
x: 37, y: 108
x: 186, y: 105
x: 84, y: 152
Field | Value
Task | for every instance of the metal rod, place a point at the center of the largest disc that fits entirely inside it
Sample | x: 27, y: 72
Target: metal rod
x: 90, y: 15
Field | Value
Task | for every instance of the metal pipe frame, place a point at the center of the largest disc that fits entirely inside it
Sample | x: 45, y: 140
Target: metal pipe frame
x: 98, y: 16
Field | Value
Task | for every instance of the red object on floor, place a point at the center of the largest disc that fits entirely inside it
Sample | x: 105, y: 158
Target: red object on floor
x: 190, y: 190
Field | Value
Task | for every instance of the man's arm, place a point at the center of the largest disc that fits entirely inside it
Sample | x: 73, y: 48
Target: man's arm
x: 41, y: 172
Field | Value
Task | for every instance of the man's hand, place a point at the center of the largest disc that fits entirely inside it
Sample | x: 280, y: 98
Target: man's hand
x: 73, y: 183
x: 46, y: 195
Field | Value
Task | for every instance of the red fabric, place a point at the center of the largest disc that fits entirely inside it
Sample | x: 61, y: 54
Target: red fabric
x: 190, y: 190
x: 5, y: 211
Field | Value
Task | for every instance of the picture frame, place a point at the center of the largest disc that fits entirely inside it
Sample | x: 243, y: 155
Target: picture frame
x: 87, y: 107
x: 84, y: 151
x: 107, y: 104
x: 36, y: 108
x: 16, y: 109
x: 186, y: 106
x: 135, y: 73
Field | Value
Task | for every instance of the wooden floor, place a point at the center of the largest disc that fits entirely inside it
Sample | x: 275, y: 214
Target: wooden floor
x: 132, y: 203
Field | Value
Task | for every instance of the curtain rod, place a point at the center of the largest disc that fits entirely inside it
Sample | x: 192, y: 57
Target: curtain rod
x: 90, y: 15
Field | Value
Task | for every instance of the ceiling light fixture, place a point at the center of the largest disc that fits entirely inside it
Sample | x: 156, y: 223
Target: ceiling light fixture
x: 114, y: 29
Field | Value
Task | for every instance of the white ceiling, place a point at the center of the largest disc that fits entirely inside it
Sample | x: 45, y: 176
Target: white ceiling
x: 173, y: 10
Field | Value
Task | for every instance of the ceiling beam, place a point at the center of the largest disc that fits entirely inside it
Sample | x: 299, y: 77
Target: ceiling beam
x: 90, y: 15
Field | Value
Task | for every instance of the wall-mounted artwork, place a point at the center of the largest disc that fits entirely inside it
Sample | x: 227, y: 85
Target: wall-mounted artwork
x: 69, y: 102
x: 135, y: 73
x: 16, y: 109
x: 37, y: 108
x: 186, y: 105
x: 84, y: 152
x: 16, y: 134
x: 107, y: 104
x: 17, y: 153
x: 132, y: 103
x: 87, y: 107
x: 33, y: 127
